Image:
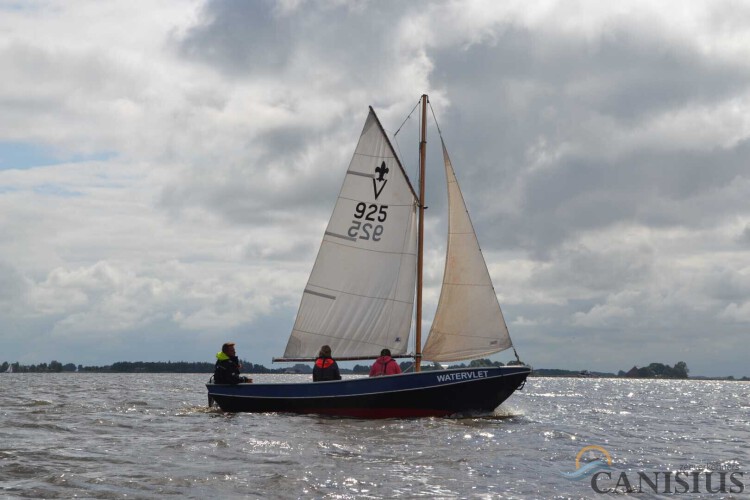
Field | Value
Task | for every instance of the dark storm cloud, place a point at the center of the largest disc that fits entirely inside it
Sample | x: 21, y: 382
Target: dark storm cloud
x: 264, y: 186
x: 745, y: 236
x: 595, y: 271
x: 626, y: 73
x: 317, y: 45
x: 258, y: 38
x: 241, y: 37
x: 522, y: 89
x: 650, y: 187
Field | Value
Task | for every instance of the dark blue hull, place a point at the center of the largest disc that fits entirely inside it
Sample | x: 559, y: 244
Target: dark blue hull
x: 429, y: 393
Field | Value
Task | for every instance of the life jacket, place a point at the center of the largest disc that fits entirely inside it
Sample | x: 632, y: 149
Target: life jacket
x: 323, y: 362
x: 380, y: 367
x: 384, y: 364
x: 226, y: 370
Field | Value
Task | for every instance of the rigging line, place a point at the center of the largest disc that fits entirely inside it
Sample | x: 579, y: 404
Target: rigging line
x: 514, y: 352
x: 407, y: 118
x: 395, y: 135
x: 400, y: 154
x: 419, y: 170
x: 440, y: 133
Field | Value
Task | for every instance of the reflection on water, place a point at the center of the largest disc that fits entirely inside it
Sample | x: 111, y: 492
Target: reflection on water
x: 108, y: 436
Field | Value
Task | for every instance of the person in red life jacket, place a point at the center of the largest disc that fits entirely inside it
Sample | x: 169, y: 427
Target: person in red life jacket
x: 385, y: 365
x: 325, y: 366
x: 228, y: 366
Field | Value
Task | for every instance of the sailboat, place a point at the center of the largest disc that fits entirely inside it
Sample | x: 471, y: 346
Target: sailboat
x: 10, y: 369
x: 360, y: 298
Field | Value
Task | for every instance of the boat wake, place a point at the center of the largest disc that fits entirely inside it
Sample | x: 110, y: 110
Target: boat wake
x: 195, y: 410
x: 498, y: 414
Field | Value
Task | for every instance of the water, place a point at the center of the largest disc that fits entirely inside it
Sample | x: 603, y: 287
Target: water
x: 143, y: 436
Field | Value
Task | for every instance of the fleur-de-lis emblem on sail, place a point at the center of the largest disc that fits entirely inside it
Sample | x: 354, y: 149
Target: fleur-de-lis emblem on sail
x: 379, y: 181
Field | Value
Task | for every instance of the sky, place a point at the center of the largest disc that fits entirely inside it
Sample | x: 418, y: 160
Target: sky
x: 167, y: 169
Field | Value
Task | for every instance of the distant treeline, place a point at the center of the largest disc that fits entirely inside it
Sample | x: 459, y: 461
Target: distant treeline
x: 657, y: 370
x: 557, y: 372
x: 53, y: 366
x: 654, y: 370
x: 204, y: 367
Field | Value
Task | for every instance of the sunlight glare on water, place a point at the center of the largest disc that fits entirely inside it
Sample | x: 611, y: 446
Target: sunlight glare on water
x: 116, y: 435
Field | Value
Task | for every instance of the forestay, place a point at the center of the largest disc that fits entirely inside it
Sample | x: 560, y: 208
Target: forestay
x: 468, y: 321
x: 360, y: 295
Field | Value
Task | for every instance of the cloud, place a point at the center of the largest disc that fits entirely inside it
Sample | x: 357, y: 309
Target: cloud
x: 14, y: 286
x: 734, y: 312
x: 192, y: 153
x: 602, y: 315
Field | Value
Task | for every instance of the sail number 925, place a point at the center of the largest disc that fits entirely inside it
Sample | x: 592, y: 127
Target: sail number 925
x: 364, y: 226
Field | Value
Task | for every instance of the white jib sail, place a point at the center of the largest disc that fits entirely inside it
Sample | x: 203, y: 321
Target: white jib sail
x: 360, y: 295
x: 468, y: 321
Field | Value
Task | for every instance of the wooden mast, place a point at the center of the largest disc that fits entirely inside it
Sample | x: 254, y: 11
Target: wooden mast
x: 420, y: 241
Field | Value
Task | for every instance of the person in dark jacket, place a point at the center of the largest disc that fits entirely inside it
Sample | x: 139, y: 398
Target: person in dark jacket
x: 227, y: 370
x: 325, y: 366
x: 385, y: 365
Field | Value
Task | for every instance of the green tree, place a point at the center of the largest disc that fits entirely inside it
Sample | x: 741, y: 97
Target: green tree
x: 681, y: 370
x: 479, y: 363
x: 645, y: 372
x: 659, y: 370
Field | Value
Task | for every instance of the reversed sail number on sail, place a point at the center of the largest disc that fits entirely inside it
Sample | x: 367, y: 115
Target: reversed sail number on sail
x: 371, y: 213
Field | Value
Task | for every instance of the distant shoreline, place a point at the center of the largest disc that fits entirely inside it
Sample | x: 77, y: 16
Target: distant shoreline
x: 140, y: 367
x: 698, y: 378
x: 729, y: 378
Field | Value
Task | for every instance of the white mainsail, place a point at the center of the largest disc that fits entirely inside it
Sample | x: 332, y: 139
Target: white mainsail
x: 360, y: 295
x: 468, y: 321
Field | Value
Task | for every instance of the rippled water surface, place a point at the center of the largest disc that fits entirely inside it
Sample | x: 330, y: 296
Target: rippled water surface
x: 143, y: 436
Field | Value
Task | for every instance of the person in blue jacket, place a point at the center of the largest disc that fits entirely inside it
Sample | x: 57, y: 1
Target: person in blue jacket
x: 227, y: 369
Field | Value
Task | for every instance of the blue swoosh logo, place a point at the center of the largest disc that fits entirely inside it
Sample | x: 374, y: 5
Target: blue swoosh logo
x: 587, y: 470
